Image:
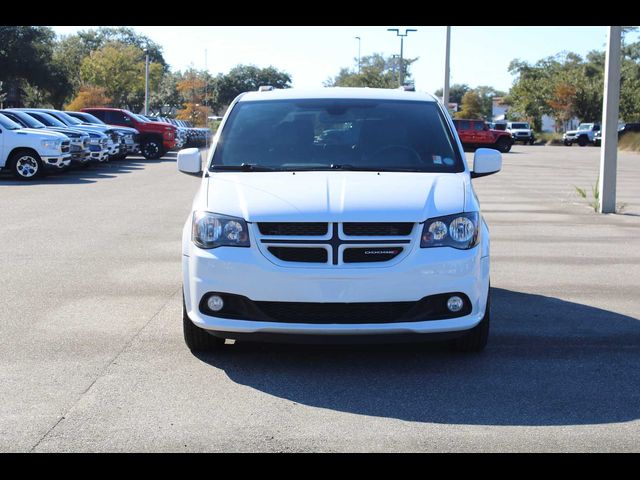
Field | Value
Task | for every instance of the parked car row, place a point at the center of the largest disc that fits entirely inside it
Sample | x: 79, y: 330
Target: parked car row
x: 188, y: 135
x: 33, y: 140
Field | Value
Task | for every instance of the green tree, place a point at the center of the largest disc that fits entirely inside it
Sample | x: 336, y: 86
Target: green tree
x: 26, y: 62
x: 487, y: 94
x: 376, y: 71
x: 120, y: 70
x: 456, y: 92
x: 471, y: 106
x: 97, y: 39
x: 3, y: 95
x: 166, y: 97
x: 245, y: 78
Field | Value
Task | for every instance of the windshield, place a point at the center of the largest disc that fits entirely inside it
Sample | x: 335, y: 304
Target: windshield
x: 87, y: 118
x: 585, y: 126
x: 520, y: 125
x: 23, y: 119
x: 139, y: 118
x: 69, y: 119
x: 8, y: 123
x: 47, y: 119
x: 321, y: 134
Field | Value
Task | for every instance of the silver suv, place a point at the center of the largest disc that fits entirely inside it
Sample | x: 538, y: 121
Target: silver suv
x: 521, y: 132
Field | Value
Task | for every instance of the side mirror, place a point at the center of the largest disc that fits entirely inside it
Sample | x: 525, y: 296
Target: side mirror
x: 189, y: 161
x: 485, y: 162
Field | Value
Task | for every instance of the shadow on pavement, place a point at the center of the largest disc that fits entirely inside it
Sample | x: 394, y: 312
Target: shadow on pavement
x: 90, y: 174
x: 548, y: 362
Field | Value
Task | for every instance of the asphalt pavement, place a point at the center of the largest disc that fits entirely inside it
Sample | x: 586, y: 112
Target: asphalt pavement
x: 92, y: 356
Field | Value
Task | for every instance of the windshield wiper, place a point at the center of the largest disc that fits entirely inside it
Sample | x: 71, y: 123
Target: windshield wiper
x: 347, y: 166
x: 245, y: 167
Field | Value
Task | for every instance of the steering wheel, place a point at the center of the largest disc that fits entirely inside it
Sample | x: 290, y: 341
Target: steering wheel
x: 416, y: 160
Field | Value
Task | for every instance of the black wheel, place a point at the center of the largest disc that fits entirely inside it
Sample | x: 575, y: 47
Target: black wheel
x: 476, y: 339
x: 582, y: 141
x: 504, y: 145
x: 531, y: 141
x: 196, y: 338
x: 26, y: 165
x: 152, y: 149
x: 567, y: 143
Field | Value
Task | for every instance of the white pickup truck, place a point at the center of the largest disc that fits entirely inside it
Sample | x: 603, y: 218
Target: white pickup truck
x: 28, y: 152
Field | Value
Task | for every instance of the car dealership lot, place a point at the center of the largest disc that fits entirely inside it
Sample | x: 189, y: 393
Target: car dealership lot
x: 92, y: 356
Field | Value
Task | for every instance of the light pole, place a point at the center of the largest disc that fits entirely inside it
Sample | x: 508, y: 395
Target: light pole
x: 610, y: 107
x: 358, y: 38
x: 447, y: 52
x: 401, y: 35
x: 146, y: 81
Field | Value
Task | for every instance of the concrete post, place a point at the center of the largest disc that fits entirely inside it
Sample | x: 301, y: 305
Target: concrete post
x: 609, y: 150
x: 445, y: 90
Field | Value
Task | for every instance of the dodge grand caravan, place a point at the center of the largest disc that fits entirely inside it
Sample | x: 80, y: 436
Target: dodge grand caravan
x: 336, y: 214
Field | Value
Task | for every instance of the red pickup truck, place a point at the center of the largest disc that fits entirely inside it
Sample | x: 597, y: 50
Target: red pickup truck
x: 476, y: 133
x: 156, y: 138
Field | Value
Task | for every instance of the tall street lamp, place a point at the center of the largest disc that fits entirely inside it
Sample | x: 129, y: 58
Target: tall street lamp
x: 146, y: 82
x: 401, y: 35
x: 447, y: 53
x: 358, y: 38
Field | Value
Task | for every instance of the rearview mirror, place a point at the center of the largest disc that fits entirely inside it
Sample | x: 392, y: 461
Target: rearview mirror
x: 485, y: 162
x: 189, y: 161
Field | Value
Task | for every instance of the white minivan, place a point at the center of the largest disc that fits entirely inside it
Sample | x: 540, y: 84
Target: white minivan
x: 336, y: 214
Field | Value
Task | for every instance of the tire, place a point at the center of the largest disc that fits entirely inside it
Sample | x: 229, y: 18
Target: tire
x: 503, y: 145
x: 583, y: 141
x: 152, y: 149
x: 196, y: 338
x: 567, y: 144
x: 476, y: 339
x: 532, y: 141
x: 26, y: 165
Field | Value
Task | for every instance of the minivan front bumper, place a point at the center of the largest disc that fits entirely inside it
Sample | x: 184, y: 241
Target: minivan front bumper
x: 423, y: 272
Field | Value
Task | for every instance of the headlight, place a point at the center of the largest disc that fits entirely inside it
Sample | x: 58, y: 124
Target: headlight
x: 51, y: 144
x: 210, y: 230
x: 459, y: 231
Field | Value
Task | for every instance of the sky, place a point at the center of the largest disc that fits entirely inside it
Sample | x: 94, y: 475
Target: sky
x: 479, y: 55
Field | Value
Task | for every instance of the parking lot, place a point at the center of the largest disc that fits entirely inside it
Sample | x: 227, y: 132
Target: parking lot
x: 92, y: 356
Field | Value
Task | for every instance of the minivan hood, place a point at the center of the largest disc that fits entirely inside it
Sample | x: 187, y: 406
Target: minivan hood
x: 334, y: 196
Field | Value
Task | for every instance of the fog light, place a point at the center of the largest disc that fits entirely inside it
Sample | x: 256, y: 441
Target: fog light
x: 215, y: 303
x: 454, y: 304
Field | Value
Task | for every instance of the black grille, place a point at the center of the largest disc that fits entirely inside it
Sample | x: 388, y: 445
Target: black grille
x: 65, y: 147
x: 433, y: 307
x: 293, y: 229
x: 294, y: 254
x: 299, y: 312
x: 378, y: 254
x: 377, y: 229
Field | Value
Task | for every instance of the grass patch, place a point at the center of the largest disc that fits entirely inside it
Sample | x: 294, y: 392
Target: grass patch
x: 548, y: 138
x: 630, y: 142
x: 595, y: 202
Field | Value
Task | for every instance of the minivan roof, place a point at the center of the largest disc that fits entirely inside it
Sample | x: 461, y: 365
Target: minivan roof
x: 338, y: 93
